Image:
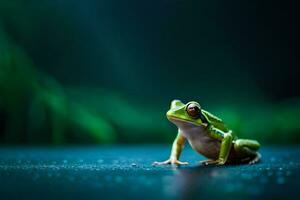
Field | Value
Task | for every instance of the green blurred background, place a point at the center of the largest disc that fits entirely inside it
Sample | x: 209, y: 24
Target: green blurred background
x: 97, y: 72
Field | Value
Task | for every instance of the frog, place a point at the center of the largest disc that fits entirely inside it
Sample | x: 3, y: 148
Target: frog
x: 208, y: 135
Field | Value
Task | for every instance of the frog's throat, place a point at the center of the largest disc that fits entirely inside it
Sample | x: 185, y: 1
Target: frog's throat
x: 174, y: 119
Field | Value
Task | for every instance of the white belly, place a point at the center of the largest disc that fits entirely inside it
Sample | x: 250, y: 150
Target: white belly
x: 199, y: 139
x: 203, y: 144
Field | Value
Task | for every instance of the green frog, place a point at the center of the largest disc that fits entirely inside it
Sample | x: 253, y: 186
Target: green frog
x: 208, y: 135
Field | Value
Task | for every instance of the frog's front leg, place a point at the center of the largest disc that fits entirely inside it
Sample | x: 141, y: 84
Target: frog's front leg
x: 226, y: 139
x: 177, y: 148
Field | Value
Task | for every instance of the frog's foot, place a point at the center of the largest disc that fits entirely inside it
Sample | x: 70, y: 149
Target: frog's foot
x: 212, y: 162
x: 170, y: 162
x: 256, y: 159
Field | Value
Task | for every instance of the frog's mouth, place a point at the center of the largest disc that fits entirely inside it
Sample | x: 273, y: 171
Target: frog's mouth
x: 179, y: 121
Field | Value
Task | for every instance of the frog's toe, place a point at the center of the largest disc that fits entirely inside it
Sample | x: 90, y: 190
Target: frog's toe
x: 212, y: 162
x: 167, y: 162
x: 220, y: 163
x: 181, y: 163
x: 256, y: 159
x: 171, y: 162
x: 208, y: 162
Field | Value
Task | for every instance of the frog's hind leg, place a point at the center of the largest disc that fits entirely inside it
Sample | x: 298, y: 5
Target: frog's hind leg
x: 255, y: 159
x: 247, y: 149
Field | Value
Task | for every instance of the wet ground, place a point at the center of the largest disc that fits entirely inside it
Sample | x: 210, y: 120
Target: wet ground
x: 125, y: 172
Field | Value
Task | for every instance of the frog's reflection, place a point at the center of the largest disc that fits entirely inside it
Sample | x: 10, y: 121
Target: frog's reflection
x: 189, y: 183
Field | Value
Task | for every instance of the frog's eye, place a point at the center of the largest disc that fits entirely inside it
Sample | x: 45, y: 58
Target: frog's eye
x: 193, y: 110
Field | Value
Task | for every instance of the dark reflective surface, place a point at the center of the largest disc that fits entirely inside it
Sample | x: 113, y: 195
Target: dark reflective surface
x: 126, y: 172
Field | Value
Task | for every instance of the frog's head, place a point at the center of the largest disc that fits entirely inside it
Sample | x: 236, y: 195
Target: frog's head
x: 181, y: 113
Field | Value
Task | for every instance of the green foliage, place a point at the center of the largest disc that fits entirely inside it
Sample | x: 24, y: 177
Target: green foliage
x: 269, y: 123
x: 87, y: 114
x: 38, y: 109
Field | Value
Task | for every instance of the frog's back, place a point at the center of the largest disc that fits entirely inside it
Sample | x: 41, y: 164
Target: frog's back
x: 215, y: 121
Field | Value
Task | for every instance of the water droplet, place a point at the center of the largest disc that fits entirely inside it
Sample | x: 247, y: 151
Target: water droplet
x: 118, y: 179
x: 115, y: 161
x: 36, y: 177
x: 263, y: 179
x: 246, y: 176
x: 270, y: 173
x: 100, y: 161
x: 107, y: 178
x: 288, y: 173
x: 71, y: 178
x: 280, y: 180
x: 133, y: 165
